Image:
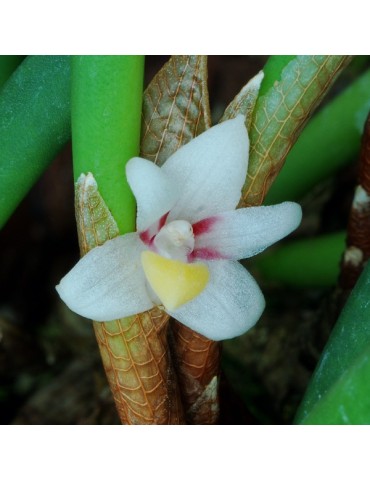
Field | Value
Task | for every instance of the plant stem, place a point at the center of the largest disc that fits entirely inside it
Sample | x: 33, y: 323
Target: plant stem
x: 358, y: 238
x: 330, y: 140
x: 34, y: 125
x: 175, y: 110
x: 106, y: 112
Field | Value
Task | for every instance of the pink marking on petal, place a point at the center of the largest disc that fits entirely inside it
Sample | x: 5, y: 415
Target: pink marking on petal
x: 206, y: 254
x: 205, y: 225
x: 162, y: 221
x: 147, y: 236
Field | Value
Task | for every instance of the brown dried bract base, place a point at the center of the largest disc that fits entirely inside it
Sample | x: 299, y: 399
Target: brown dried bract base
x: 175, y: 107
x: 197, y: 362
x: 137, y: 364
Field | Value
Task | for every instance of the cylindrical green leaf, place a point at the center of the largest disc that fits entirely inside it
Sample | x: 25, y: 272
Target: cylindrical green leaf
x: 330, y: 140
x: 280, y: 115
x: 106, y: 115
x: 348, y: 401
x: 311, y: 262
x: 339, y: 378
x: 34, y: 125
x: 272, y: 71
x: 8, y: 63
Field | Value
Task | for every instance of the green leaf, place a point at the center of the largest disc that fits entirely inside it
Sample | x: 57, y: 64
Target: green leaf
x: 8, y: 63
x: 106, y: 110
x: 34, y: 125
x: 310, y: 262
x: 330, y: 140
x: 348, y: 401
x: 280, y: 115
x: 339, y: 389
x: 273, y: 70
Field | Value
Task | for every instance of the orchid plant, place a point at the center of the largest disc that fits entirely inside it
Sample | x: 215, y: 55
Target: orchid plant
x: 167, y: 204
x: 184, y: 254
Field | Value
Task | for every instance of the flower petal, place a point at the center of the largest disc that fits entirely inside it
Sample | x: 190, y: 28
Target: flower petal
x: 230, y: 305
x: 210, y: 171
x: 154, y: 191
x: 108, y: 283
x: 245, y: 232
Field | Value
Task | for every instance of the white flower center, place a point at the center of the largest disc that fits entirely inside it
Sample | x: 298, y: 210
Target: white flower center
x: 175, y: 240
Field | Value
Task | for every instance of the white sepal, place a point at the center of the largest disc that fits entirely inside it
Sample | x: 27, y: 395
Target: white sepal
x: 108, y: 283
x: 210, y: 171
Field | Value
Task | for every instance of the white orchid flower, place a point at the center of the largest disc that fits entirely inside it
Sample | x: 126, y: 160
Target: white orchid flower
x: 184, y: 254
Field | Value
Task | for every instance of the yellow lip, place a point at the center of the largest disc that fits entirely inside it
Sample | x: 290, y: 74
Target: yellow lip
x: 174, y: 282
